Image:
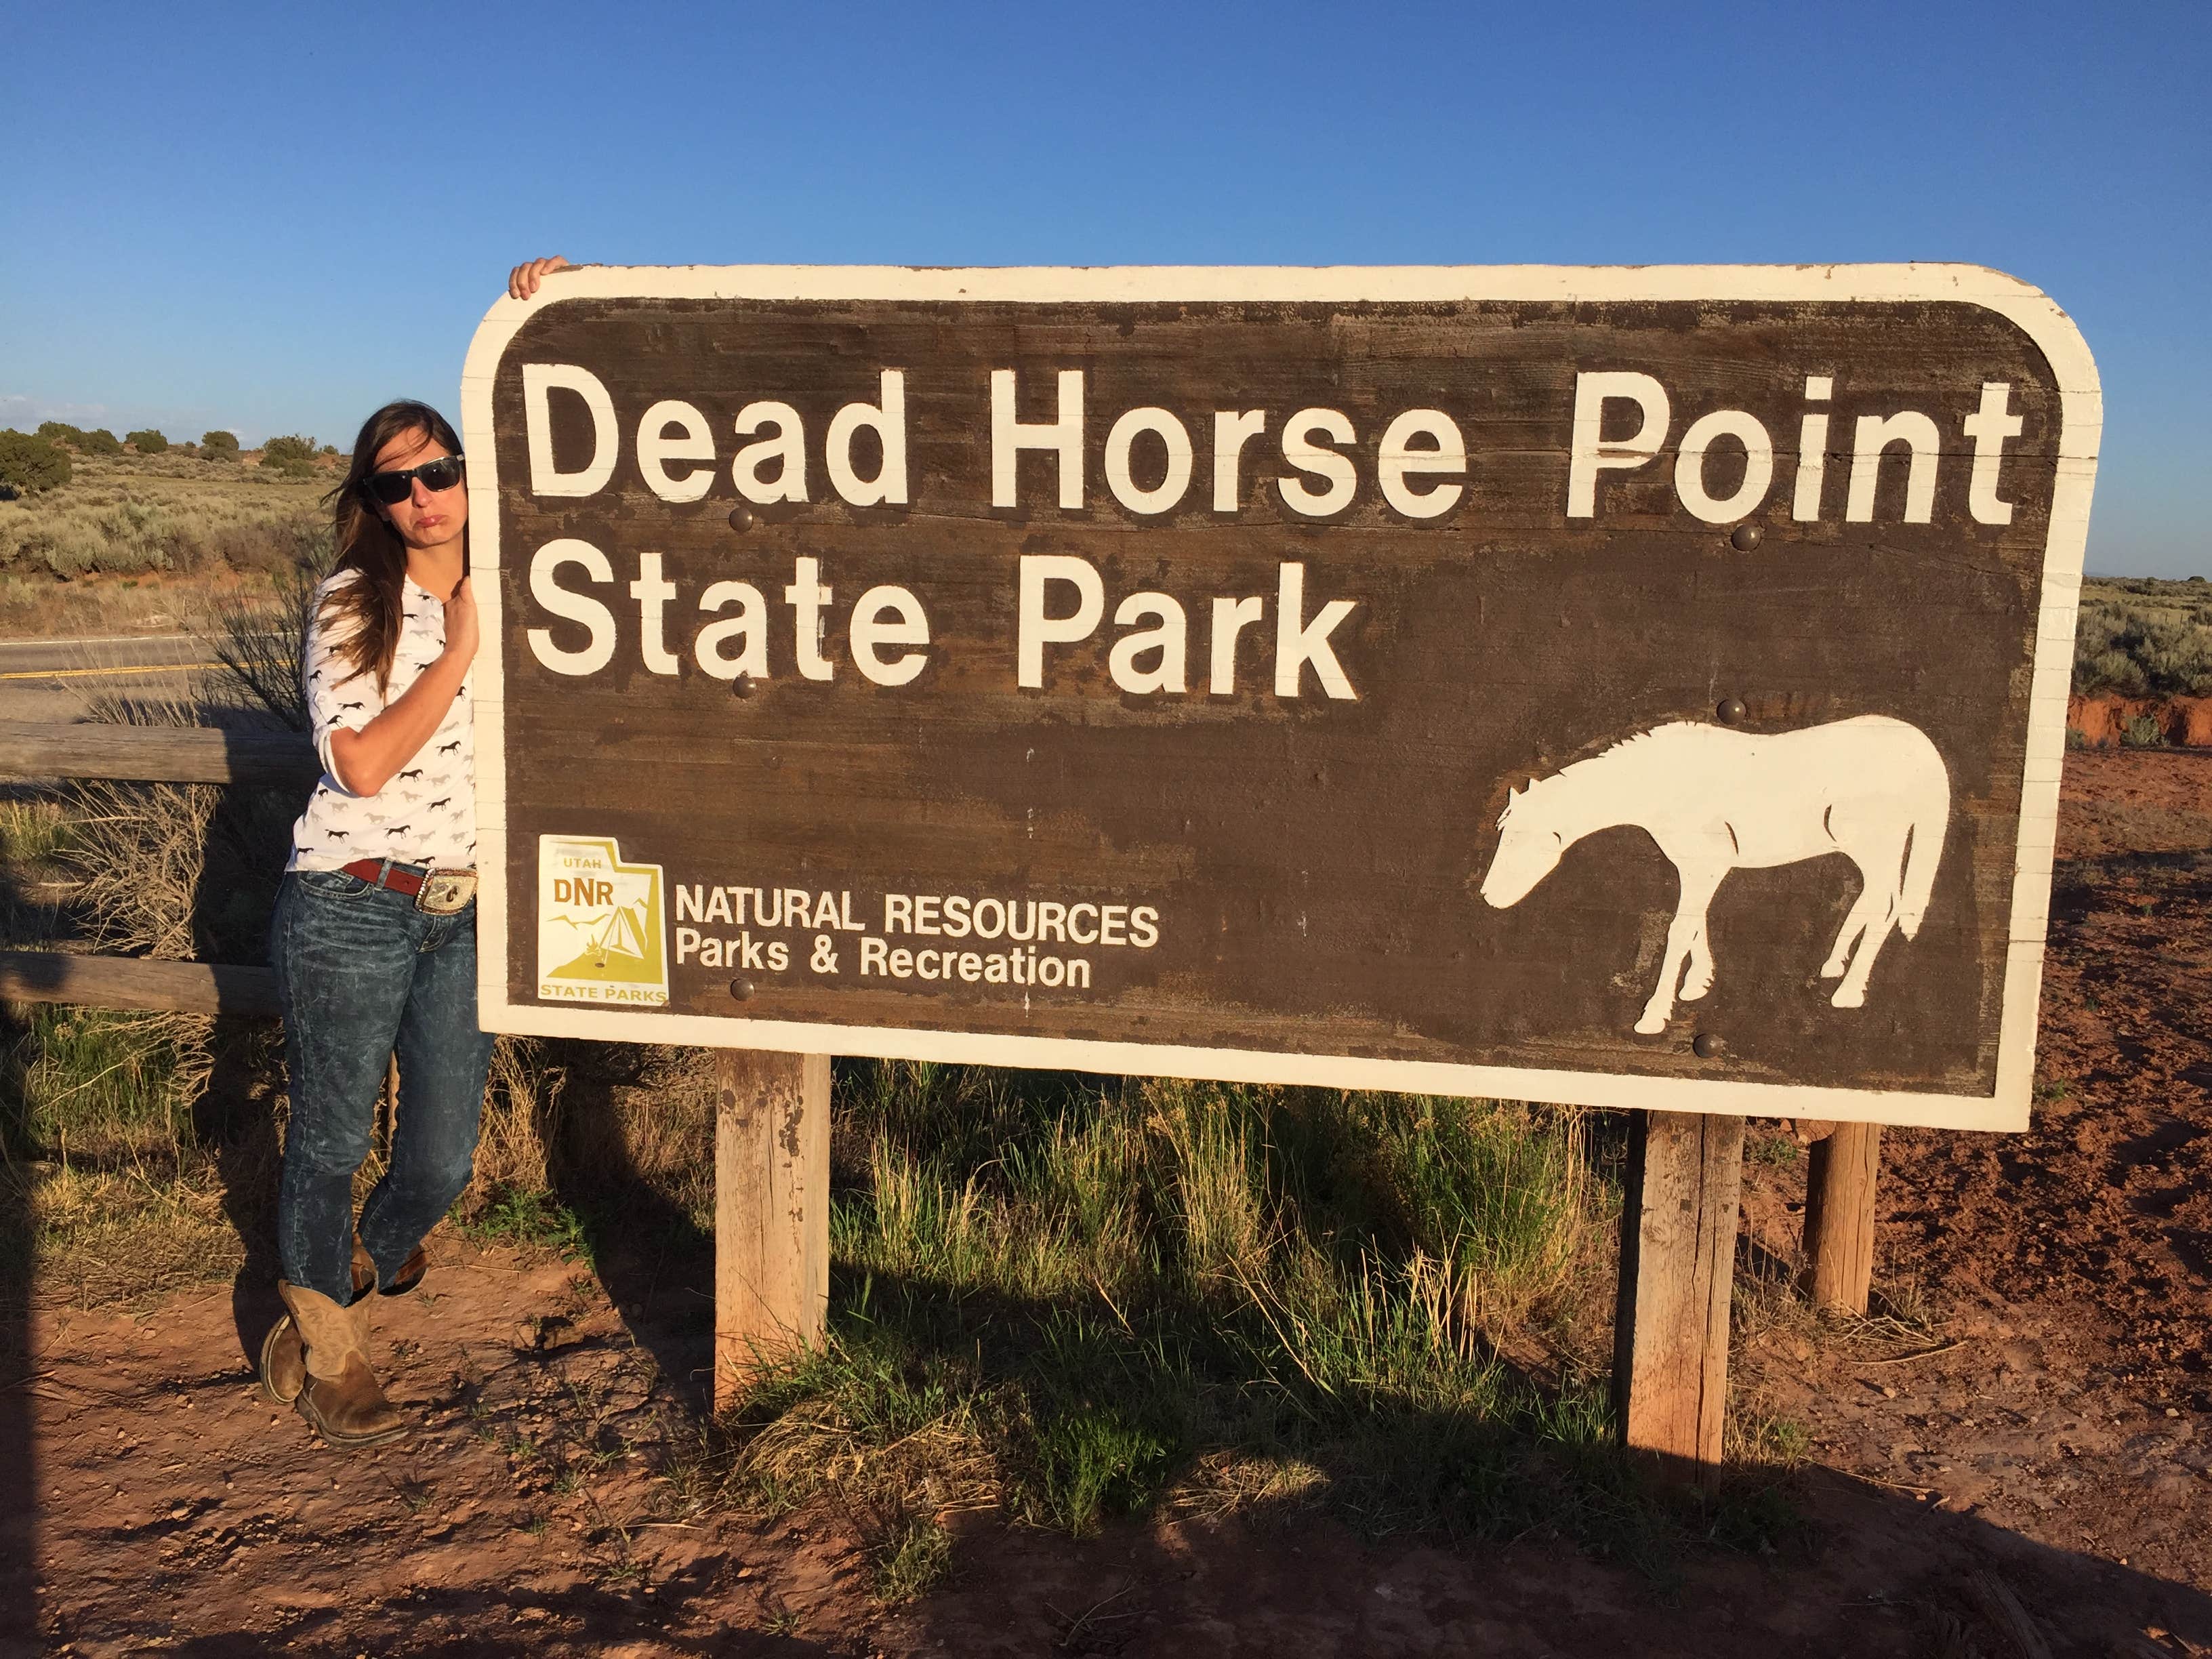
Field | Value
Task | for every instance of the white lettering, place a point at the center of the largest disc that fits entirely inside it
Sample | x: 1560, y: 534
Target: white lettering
x: 1873, y: 434
x: 1301, y: 452
x: 571, y: 607
x: 788, y: 448
x: 748, y: 625
x: 1063, y: 435
x: 1173, y: 482
x: 545, y: 479
x: 1230, y: 616
x: 1397, y: 459
x: 1296, y: 645
x: 1757, y: 467
x: 1231, y: 431
x: 655, y: 448
x: 1034, y: 629
x: 1589, y: 451
x: 1989, y: 427
x: 1167, y: 638
x: 870, y: 629
x: 1812, y: 451
x: 806, y: 596
x: 652, y: 595
x: 888, y: 421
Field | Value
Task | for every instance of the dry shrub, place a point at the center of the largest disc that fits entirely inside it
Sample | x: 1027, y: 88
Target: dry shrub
x: 162, y: 513
x: 110, y: 1238
x: 660, y: 1130
x: 1224, y: 1483
x: 895, y: 1464
x: 2141, y: 636
x: 555, y: 1121
x: 521, y: 1113
x: 180, y: 872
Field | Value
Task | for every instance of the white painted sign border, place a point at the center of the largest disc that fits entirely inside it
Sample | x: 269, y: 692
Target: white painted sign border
x: 2082, y: 421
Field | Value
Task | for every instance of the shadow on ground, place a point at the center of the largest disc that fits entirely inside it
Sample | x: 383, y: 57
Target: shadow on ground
x: 1879, y: 1575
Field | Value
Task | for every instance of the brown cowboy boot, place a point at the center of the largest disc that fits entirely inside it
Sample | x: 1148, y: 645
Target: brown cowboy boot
x: 284, y: 1357
x: 284, y: 1362
x: 409, y: 1276
x: 340, y: 1396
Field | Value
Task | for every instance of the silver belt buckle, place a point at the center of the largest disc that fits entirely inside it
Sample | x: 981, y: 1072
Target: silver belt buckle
x: 444, y: 892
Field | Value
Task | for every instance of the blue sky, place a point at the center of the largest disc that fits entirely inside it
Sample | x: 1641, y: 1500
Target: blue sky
x: 273, y: 219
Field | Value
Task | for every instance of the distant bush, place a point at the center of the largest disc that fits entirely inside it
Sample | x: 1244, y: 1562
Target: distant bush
x: 148, y: 443
x: 82, y: 532
x: 2139, y: 653
x: 332, y: 450
x: 213, y: 442
x: 2144, y: 732
x: 59, y: 432
x: 29, y: 465
x: 100, y: 441
x: 278, y: 451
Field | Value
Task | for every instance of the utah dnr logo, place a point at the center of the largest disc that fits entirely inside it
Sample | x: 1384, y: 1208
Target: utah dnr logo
x: 601, y: 930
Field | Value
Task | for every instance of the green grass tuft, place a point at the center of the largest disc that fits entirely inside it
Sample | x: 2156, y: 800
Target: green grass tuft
x: 533, y: 1218
x: 916, y: 1552
x: 1072, y: 1299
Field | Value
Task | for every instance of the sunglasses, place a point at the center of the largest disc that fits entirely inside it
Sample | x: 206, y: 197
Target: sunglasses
x: 393, y: 487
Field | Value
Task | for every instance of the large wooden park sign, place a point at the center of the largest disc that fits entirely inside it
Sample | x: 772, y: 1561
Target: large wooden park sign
x: 1642, y: 688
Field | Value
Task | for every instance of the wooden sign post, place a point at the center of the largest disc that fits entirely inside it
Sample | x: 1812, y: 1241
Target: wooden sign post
x: 1839, y: 1211
x: 1678, y: 1228
x: 1640, y: 689
x: 771, y: 1210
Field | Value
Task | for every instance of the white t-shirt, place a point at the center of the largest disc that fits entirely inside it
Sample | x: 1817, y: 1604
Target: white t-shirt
x: 426, y: 815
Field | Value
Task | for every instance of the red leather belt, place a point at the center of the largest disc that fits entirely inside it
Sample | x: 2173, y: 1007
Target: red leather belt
x: 397, y: 876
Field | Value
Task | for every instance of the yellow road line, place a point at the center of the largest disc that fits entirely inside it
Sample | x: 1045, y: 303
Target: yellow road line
x: 80, y: 673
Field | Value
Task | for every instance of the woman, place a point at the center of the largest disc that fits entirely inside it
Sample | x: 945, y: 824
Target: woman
x: 373, y: 939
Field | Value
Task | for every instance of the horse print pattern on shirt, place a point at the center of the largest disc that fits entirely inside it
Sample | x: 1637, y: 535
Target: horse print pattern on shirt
x: 426, y: 814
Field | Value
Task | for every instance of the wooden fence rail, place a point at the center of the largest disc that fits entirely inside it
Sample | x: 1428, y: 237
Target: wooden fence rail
x: 771, y: 1211
x: 179, y: 987
x: 155, y: 754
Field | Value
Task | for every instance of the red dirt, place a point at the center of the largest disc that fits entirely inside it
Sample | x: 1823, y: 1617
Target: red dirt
x: 2103, y: 718
x: 2044, y: 1433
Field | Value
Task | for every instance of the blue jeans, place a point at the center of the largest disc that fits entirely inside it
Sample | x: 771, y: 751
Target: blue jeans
x: 363, y: 974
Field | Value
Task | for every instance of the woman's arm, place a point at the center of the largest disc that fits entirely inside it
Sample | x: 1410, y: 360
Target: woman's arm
x: 363, y: 761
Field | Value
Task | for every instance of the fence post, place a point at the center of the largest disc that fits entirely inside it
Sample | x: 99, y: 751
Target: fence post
x: 771, y: 1210
x: 1840, y: 1195
x: 1678, y: 1226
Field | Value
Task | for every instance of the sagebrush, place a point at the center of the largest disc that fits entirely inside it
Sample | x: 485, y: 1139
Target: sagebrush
x: 161, y: 512
x: 2143, y: 637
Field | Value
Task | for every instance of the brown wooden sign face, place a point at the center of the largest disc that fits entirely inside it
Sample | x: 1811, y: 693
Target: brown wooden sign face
x: 1633, y: 687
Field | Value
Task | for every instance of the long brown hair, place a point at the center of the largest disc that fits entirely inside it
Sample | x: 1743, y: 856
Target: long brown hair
x: 368, y: 611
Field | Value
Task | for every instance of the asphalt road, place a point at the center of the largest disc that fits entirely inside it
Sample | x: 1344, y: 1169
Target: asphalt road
x: 53, y: 679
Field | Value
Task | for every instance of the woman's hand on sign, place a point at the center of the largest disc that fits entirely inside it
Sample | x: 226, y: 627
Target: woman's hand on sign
x: 522, y: 282
x: 461, y: 623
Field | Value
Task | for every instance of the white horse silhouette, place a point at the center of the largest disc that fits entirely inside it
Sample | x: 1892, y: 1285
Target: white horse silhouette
x: 1871, y: 788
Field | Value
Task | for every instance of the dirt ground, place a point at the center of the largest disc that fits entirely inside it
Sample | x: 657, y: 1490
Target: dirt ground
x: 2016, y: 1460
